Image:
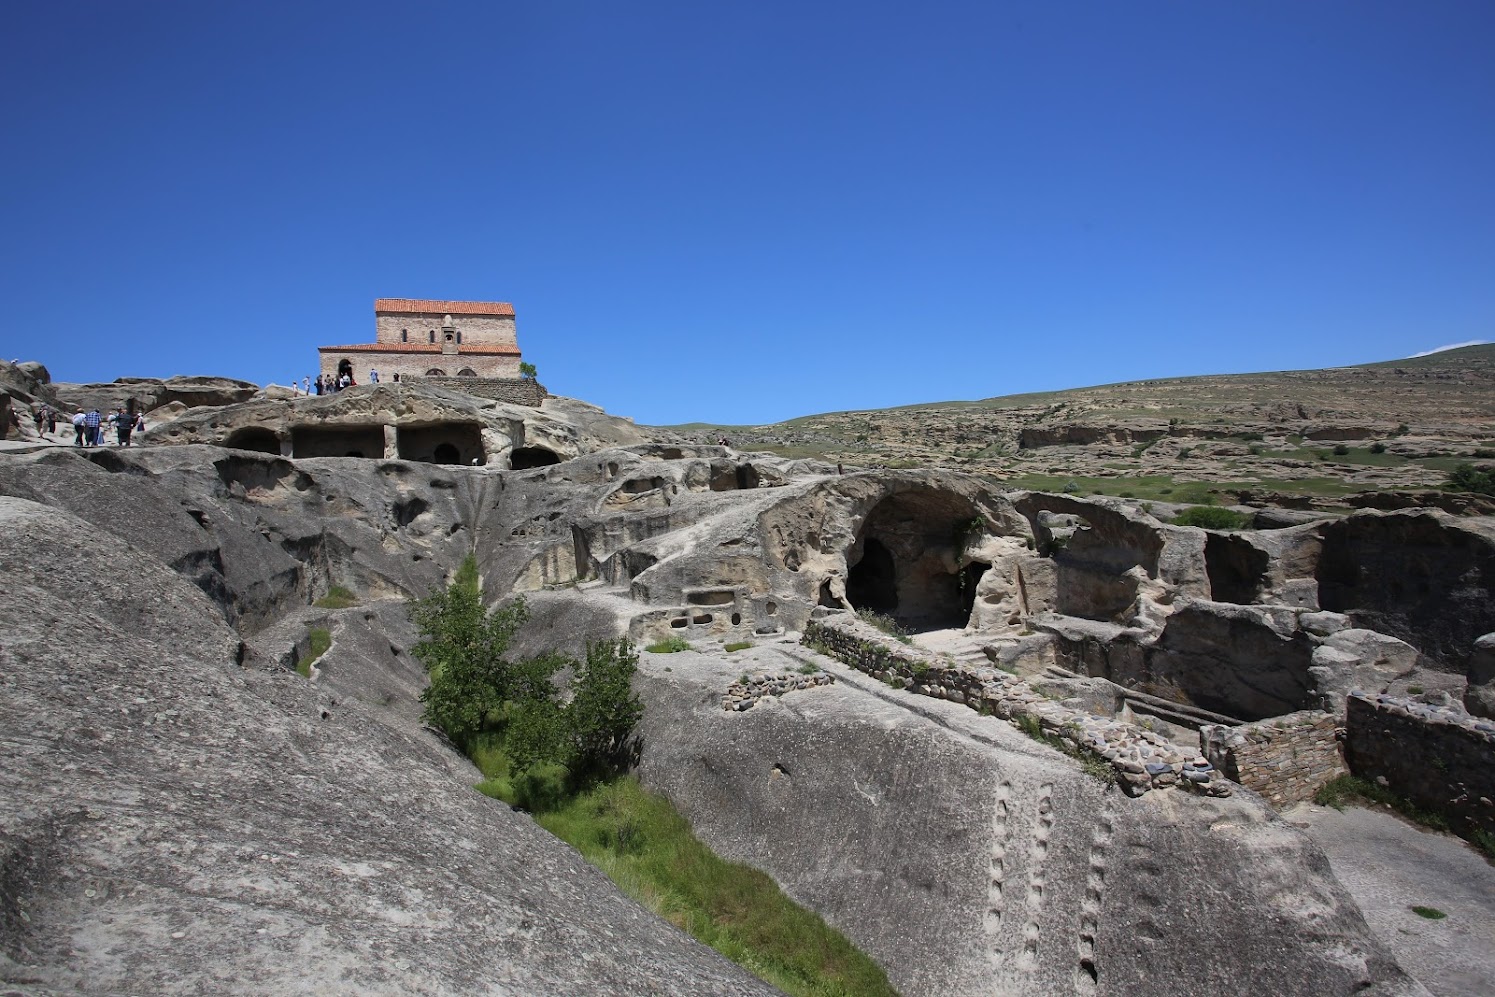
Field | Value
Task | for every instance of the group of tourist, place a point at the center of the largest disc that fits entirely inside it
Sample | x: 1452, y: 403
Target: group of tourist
x: 326, y: 384
x: 90, y: 429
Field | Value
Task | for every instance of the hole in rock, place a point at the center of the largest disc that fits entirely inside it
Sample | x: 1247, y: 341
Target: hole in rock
x: 442, y: 443
x: 900, y: 564
x: 679, y: 622
x: 719, y: 597
x: 337, y: 441
x: 701, y: 618
x: 1237, y: 570
x: 525, y: 458
x: 737, y: 619
x: 255, y: 438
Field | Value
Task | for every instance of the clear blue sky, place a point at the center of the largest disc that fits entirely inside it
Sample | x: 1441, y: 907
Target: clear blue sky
x: 744, y: 212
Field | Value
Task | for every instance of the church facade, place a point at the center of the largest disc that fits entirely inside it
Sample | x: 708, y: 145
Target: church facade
x: 421, y: 337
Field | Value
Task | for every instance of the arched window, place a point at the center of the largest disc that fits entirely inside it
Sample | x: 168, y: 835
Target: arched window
x: 432, y: 334
x: 467, y: 372
x: 459, y: 337
x: 404, y: 335
x: 436, y: 372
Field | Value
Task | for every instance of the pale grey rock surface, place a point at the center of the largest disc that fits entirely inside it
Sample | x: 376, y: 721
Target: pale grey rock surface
x: 968, y: 859
x: 173, y: 823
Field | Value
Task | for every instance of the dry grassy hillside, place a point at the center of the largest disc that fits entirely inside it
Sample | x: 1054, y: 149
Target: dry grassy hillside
x: 1291, y: 437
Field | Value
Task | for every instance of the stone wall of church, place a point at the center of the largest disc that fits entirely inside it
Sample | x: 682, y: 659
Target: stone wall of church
x: 419, y: 364
x: 476, y: 330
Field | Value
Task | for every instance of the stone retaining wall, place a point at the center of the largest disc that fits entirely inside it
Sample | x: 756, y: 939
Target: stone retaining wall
x: 1439, y: 757
x: 1285, y: 759
x: 1141, y: 759
x: 745, y: 695
x: 515, y: 391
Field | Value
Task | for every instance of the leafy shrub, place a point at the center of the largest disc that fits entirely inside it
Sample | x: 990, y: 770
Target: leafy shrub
x: 670, y: 645
x: 1484, y: 454
x: 1431, y: 913
x: 738, y: 645
x: 1378, y: 447
x: 477, y: 696
x: 1340, y: 450
x: 1468, y: 478
x: 1210, y: 517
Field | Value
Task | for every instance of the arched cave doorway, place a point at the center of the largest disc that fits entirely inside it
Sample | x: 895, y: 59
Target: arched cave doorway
x: 873, y: 582
x: 524, y: 458
x: 256, y: 438
x: 441, y: 443
x: 445, y: 453
x: 344, y: 366
x: 905, y: 562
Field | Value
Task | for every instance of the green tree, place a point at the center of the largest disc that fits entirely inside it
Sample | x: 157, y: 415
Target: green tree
x: 603, y: 710
x: 1468, y: 478
x: 462, y: 646
x: 527, y: 371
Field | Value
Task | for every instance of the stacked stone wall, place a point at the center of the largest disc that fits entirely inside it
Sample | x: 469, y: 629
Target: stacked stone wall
x: 1438, y: 757
x: 745, y: 695
x: 1140, y: 759
x: 1286, y: 759
x: 515, y: 391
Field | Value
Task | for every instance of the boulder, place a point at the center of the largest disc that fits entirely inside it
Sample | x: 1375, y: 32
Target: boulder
x: 1357, y: 659
x: 1479, y: 696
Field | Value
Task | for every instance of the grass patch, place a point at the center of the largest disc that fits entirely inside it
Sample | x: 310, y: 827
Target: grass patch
x: 321, y: 640
x: 1211, y: 517
x: 1348, y: 790
x: 1431, y: 913
x: 337, y: 597
x: 670, y: 645
x: 738, y: 645
x: 648, y: 849
x: 885, y: 623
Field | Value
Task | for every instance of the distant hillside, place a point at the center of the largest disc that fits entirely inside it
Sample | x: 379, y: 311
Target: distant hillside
x: 1315, y: 434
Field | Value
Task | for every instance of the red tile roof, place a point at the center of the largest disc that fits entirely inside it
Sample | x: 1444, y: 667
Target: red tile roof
x: 474, y: 351
x: 429, y: 306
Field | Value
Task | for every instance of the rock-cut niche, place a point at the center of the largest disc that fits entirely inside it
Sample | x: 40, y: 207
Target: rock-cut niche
x: 524, y: 458
x: 901, y: 561
x: 256, y: 438
x: 442, y: 443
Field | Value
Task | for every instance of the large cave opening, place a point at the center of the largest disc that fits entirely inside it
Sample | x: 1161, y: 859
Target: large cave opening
x: 442, y: 443
x: 905, y: 561
x: 1237, y: 569
x: 337, y: 441
x: 525, y: 458
x: 256, y: 438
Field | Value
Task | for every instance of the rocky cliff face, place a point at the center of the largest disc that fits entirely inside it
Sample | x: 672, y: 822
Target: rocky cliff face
x: 234, y: 821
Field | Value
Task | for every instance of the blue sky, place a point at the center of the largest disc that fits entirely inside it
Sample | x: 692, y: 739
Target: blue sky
x: 744, y: 212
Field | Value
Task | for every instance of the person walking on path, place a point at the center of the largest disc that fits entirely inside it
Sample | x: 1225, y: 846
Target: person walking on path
x: 78, y: 428
x: 92, y: 434
x: 124, y: 422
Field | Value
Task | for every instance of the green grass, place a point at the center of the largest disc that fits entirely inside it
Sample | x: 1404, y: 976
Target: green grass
x: 337, y: 597
x: 321, y: 640
x: 1165, y: 488
x: 1348, y: 790
x: 648, y: 849
x: 670, y: 645
x: 1431, y: 913
x: 885, y: 623
x: 738, y: 645
x: 1211, y: 517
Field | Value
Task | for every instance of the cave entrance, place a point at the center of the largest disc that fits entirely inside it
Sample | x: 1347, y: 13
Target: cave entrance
x: 337, y: 441
x: 905, y: 561
x: 525, y: 458
x: 873, y: 582
x: 256, y: 438
x: 442, y: 443
x: 1237, y: 570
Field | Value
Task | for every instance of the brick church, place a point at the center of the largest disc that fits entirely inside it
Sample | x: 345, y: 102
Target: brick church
x: 417, y: 337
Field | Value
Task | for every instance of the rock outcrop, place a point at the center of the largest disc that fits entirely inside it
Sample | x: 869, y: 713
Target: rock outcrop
x: 175, y: 823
